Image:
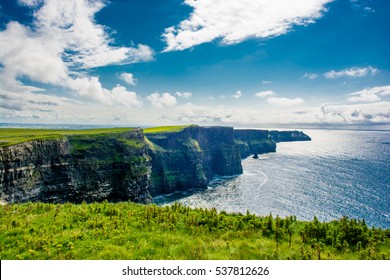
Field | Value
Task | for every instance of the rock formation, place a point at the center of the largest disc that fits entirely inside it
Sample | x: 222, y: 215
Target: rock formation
x: 253, y: 141
x: 190, y: 158
x: 77, y: 168
x: 288, y: 136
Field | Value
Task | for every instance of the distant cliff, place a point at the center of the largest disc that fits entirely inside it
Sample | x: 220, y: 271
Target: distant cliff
x: 253, y: 142
x: 288, y: 136
x: 77, y: 168
x: 191, y: 157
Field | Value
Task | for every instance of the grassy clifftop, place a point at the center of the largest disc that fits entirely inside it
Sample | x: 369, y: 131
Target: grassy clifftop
x: 13, y: 136
x: 165, y: 129
x: 132, y: 231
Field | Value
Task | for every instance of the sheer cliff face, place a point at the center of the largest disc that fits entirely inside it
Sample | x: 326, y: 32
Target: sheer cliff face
x: 77, y: 168
x: 253, y: 141
x: 288, y: 136
x: 190, y: 158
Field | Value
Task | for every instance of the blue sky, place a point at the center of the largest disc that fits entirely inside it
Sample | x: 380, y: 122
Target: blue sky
x: 265, y: 63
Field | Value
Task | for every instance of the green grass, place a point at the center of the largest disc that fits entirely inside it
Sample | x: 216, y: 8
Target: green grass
x: 192, y: 144
x: 13, y: 136
x: 164, y: 129
x: 135, y: 143
x: 132, y: 231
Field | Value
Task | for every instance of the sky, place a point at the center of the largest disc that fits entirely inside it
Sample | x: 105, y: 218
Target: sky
x: 242, y: 63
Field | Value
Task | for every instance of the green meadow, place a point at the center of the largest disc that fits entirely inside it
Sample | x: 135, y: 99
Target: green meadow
x: 165, y: 129
x: 13, y: 136
x: 132, y: 231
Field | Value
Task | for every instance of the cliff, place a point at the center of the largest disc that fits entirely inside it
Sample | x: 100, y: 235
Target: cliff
x: 191, y: 157
x: 253, y: 142
x: 76, y: 168
x: 288, y: 136
x: 124, y: 164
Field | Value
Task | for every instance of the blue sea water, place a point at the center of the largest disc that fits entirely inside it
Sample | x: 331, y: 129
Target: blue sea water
x: 338, y: 173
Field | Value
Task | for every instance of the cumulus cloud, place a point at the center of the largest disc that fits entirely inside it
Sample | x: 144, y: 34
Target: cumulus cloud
x: 25, y: 54
x: 62, y: 42
x: 121, y: 95
x: 272, y: 98
x: 283, y: 101
x: 264, y: 94
x: 310, y: 76
x: 354, y: 72
x: 162, y: 100
x: 128, y: 78
x: 237, y: 94
x: 237, y: 20
x: 372, y: 94
x: 185, y: 95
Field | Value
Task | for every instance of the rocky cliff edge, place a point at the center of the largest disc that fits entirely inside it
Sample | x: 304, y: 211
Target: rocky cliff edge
x: 76, y: 168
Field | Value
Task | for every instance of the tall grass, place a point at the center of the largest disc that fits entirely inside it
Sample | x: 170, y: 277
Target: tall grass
x: 131, y: 231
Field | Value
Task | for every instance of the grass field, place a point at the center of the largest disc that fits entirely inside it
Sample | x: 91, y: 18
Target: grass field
x: 132, y: 231
x: 164, y: 129
x: 13, y: 136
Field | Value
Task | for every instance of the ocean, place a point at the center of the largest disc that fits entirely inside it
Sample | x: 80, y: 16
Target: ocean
x: 339, y: 173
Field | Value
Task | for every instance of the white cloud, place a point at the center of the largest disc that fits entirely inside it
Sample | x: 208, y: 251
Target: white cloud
x: 266, y: 82
x: 185, y: 95
x: 49, y: 108
x: 85, y: 43
x: 63, y: 41
x: 121, y: 95
x: 264, y: 94
x: 91, y: 88
x: 22, y: 53
x: 271, y: 98
x: 372, y: 94
x: 369, y: 9
x: 237, y: 94
x: 42, y: 107
x: 353, y: 114
x: 128, y: 78
x: 237, y: 20
x: 370, y: 113
x: 162, y: 100
x: 283, y: 101
x: 30, y: 3
x: 310, y: 76
x: 364, y: 96
x: 354, y: 72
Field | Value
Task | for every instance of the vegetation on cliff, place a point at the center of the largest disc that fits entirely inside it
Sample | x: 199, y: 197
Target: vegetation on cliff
x: 187, y: 157
x: 74, y: 165
x: 165, y: 129
x: 13, y: 136
x: 132, y: 231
